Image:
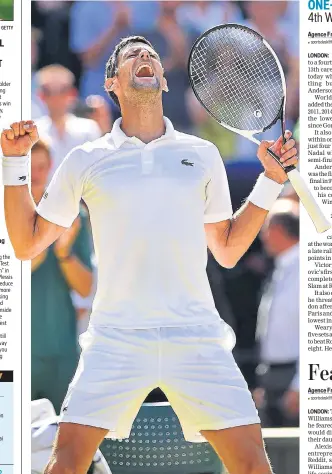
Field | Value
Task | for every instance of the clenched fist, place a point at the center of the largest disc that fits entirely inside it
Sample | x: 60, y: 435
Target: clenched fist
x: 19, y: 138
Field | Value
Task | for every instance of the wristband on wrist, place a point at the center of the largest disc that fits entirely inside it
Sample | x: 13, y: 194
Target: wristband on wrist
x: 15, y: 170
x: 265, y: 192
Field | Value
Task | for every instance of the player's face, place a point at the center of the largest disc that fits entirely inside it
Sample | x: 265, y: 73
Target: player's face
x: 139, y: 71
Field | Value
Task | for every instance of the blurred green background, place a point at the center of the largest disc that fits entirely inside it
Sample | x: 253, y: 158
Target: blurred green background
x: 6, y: 9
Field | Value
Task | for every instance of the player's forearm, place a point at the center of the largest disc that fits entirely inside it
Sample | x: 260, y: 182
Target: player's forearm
x: 243, y: 229
x: 29, y: 233
x: 20, y: 215
x: 77, y: 275
x: 234, y: 240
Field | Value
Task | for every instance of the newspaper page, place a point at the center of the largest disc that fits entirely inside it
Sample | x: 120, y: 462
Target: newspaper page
x: 53, y: 57
x: 316, y: 73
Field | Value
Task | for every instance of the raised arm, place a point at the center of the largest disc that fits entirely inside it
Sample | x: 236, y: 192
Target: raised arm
x: 229, y: 239
x: 28, y: 232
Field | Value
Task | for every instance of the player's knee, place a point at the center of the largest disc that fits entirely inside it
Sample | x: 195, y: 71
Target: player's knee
x: 58, y: 466
x: 261, y: 469
x: 249, y: 468
x: 255, y: 463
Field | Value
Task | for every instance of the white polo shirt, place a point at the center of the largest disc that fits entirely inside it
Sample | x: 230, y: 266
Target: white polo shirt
x: 148, y: 204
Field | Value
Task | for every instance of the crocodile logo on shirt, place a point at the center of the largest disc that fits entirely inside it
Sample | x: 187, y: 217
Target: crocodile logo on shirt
x: 187, y: 163
x: 22, y: 178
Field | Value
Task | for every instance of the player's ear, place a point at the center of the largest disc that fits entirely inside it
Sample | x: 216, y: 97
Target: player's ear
x: 165, y: 86
x: 111, y: 84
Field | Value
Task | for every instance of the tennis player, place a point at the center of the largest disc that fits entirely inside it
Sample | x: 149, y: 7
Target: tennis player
x: 156, y: 198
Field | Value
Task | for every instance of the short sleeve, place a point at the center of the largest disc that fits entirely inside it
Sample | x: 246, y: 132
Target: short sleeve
x: 218, y: 205
x: 60, y: 203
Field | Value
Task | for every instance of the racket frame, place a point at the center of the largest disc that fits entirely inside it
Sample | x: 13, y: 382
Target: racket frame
x: 249, y: 134
x: 318, y: 218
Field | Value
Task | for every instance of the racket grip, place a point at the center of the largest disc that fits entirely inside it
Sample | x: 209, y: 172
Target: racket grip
x: 308, y: 201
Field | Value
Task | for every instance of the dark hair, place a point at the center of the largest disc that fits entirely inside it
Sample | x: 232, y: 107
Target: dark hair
x: 289, y: 221
x: 112, y: 63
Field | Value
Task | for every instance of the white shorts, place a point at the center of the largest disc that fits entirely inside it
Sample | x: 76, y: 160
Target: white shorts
x: 192, y: 365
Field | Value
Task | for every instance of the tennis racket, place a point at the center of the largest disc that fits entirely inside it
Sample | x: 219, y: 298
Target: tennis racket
x: 237, y: 77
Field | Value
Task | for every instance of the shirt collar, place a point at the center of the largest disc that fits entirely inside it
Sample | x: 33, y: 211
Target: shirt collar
x: 119, y: 137
x: 288, y: 256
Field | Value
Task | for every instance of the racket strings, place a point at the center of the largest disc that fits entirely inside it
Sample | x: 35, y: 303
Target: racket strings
x: 237, y: 78
x: 237, y: 87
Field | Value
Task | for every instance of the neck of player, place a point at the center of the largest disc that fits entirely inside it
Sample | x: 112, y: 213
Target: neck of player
x: 146, y: 123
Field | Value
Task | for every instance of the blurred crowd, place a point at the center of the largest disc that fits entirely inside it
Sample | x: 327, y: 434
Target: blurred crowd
x: 71, y: 43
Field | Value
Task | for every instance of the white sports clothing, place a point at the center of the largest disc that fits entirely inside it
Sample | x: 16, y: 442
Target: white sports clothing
x: 193, y: 365
x: 153, y: 322
x: 147, y: 204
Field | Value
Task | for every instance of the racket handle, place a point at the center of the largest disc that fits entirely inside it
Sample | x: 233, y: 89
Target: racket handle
x: 308, y: 201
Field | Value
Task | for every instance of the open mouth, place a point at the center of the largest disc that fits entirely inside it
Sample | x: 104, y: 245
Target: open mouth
x: 144, y: 70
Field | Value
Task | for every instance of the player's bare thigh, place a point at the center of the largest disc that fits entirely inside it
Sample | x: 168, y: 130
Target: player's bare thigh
x: 241, y: 449
x: 74, y: 448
